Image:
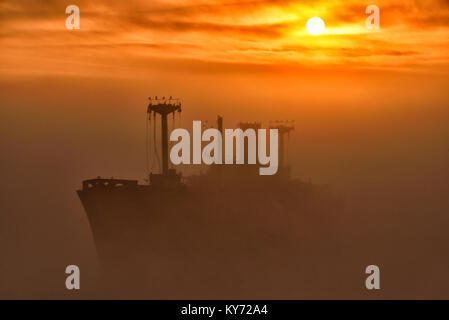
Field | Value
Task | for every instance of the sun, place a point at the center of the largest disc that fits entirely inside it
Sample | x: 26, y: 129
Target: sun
x: 315, y: 26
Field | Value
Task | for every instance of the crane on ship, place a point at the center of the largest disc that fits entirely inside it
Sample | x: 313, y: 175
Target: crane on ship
x: 164, y: 108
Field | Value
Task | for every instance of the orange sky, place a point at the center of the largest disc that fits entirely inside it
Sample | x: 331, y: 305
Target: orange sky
x: 138, y: 35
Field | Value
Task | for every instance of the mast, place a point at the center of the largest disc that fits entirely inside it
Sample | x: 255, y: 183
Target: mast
x: 284, y: 128
x: 164, y: 108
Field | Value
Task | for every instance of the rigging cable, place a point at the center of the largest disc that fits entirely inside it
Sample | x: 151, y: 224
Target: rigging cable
x: 146, y: 144
x: 149, y: 144
x: 155, y: 144
x: 173, y: 126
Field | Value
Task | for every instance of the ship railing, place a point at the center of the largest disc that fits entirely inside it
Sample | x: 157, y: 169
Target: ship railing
x: 108, y: 183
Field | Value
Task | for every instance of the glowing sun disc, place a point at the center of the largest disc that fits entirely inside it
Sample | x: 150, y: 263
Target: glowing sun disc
x: 315, y: 26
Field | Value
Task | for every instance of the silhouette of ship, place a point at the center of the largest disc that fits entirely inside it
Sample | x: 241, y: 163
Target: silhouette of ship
x: 229, y: 213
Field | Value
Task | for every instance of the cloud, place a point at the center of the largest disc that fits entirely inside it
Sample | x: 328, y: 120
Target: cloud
x: 259, y: 32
